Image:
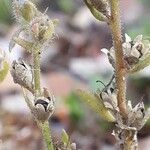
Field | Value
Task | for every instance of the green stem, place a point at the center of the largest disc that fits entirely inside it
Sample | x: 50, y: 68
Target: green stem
x: 37, y: 91
x: 36, y: 70
x: 115, y: 27
x: 46, y: 134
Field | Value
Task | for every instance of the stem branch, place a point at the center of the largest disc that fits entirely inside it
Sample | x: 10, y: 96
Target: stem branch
x: 115, y: 27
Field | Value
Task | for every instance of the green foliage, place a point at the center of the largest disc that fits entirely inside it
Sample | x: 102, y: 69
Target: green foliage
x: 4, y: 70
x: 5, y: 13
x: 64, y: 138
x: 28, y: 11
x: 4, y: 65
x: 104, y: 125
x: 140, y: 27
x: 66, y: 143
x: 75, y: 108
x: 145, y: 2
x: 66, y: 5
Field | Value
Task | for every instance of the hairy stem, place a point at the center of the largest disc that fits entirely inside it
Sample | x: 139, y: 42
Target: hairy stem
x: 37, y: 91
x: 36, y: 70
x: 46, y: 134
x: 115, y: 27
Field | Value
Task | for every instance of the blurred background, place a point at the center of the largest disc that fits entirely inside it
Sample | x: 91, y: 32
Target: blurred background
x: 72, y: 61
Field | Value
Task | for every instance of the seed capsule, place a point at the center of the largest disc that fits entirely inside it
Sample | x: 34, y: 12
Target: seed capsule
x: 137, y: 115
x: 43, y: 108
x: 22, y: 74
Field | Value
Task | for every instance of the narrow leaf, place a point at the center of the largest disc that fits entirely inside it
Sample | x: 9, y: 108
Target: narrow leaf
x: 4, y: 70
x: 64, y: 137
x: 96, y: 104
x: 98, y: 15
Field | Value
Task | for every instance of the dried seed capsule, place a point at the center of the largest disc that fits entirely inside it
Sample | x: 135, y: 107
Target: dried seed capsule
x: 109, y: 95
x: 137, y: 115
x: 136, y: 53
x: 131, y: 60
x: 43, y: 108
x: 22, y: 74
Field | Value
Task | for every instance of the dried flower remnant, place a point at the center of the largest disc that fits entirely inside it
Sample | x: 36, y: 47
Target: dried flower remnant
x: 22, y: 74
x: 109, y: 97
x: 136, y: 118
x: 136, y: 53
x: 123, y: 141
x: 127, y: 133
x: 41, y: 107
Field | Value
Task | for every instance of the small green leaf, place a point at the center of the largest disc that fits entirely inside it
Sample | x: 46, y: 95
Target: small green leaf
x: 28, y: 11
x: 96, y: 104
x: 64, y: 137
x: 98, y: 15
x: 4, y: 70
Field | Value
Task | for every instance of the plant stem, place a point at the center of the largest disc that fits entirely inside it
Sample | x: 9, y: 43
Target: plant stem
x: 37, y: 91
x: 46, y: 134
x: 130, y: 140
x: 36, y: 69
x: 115, y: 27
